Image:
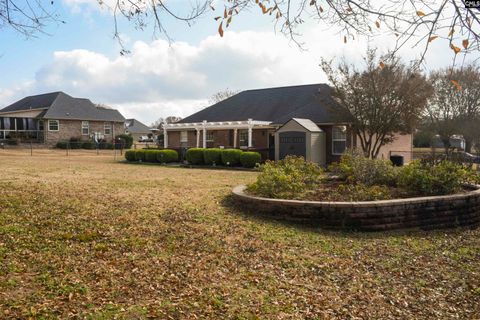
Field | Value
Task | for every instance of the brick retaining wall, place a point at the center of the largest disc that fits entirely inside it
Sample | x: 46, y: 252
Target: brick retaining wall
x: 423, y: 212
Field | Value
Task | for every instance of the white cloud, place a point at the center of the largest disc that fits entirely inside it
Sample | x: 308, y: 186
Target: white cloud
x: 158, y: 79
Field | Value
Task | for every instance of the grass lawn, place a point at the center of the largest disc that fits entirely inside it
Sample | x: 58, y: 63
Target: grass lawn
x: 86, y: 237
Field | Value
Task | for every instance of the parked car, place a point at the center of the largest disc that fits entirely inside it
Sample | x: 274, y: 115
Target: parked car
x: 465, y: 157
x: 145, y: 139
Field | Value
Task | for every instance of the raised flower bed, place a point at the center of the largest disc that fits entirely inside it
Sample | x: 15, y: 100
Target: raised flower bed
x: 366, y: 195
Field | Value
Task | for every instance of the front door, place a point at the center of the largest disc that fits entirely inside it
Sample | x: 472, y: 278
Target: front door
x: 292, y: 143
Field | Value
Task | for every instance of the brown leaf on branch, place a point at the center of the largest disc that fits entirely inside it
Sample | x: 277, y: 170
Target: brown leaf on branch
x: 465, y: 43
x: 420, y: 13
x: 432, y: 38
x: 455, y: 48
x: 457, y: 85
x: 382, y: 65
x: 377, y: 24
x: 220, y: 29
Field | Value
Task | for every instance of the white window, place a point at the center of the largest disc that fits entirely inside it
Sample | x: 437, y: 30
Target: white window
x: 209, y: 135
x: 85, y: 128
x: 243, y: 137
x: 339, y: 140
x: 53, y: 125
x: 107, y: 128
x: 184, y: 136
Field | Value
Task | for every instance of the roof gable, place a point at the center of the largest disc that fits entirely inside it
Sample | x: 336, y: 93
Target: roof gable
x: 41, y: 101
x: 135, y: 126
x: 276, y: 105
x: 305, y: 123
x: 62, y: 106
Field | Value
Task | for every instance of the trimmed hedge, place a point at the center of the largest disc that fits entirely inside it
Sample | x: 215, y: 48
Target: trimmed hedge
x: 62, y: 144
x: 150, y: 155
x: 130, y: 155
x: 249, y: 159
x: 231, y: 157
x: 166, y: 156
x: 162, y: 156
x: 212, y: 156
x: 195, y: 155
x: 89, y: 145
x: 140, y: 155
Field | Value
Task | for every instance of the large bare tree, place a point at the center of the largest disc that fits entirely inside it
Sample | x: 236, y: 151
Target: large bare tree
x: 417, y: 22
x: 454, y: 107
x: 385, y: 98
x: 222, y: 95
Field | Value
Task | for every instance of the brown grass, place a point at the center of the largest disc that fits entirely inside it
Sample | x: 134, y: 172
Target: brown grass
x: 86, y: 237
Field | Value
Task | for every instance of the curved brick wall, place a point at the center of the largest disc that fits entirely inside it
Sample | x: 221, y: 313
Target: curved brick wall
x: 423, y: 212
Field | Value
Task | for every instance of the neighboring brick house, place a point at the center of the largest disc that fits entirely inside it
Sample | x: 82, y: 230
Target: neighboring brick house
x: 52, y: 117
x: 253, y: 120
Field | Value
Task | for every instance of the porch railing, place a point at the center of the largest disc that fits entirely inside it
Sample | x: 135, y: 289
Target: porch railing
x: 22, y: 135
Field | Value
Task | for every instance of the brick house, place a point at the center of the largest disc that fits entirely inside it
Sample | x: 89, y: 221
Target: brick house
x: 137, y: 129
x: 302, y: 120
x: 52, y: 117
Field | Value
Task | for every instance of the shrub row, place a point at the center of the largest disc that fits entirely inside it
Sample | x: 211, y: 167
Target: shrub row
x: 226, y: 157
x: 83, y: 145
x: 145, y: 155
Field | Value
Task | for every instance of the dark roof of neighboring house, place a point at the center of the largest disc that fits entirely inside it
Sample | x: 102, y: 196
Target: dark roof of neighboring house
x: 277, y: 105
x: 60, y: 105
x: 135, y: 126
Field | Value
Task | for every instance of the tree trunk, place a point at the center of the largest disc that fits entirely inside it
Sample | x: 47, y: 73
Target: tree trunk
x: 468, y: 145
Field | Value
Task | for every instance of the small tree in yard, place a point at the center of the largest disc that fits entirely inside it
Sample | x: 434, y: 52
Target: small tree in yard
x: 384, y: 99
x: 454, y: 107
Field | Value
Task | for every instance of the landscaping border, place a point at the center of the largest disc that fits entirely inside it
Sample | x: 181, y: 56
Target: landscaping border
x: 426, y: 213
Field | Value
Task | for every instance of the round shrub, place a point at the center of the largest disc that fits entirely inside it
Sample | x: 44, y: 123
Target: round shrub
x: 212, y: 156
x: 231, y: 157
x: 62, y: 144
x: 167, y: 155
x: 89, y: 145
x: 126, y: 139
x: 249, y: 159
x: 151, y: 155
x: 195, y: 155
x: 75, y: 143
x: 140, y: 155
x: 356, y: 168
x: 130, y: 155
x: 426, y: 178
x: 290, y: 178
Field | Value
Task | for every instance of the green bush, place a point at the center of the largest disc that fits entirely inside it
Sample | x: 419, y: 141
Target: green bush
x: 105, y: 145
x: 127, y: 140
x: 362, y: 192
x: 290, y: 178
x: 140, y: 155
x: 356, y: 168
x: 212, y: 156
x: 62, y: 144
x: 231, y: 157
x: 195, y: 155
x: 89, y: 145
x: 130, y: 155
x: 426, y: 178
x: 75, y: 143
x: 167, y: 155
x: 250, y: 159
x: 151, y: 155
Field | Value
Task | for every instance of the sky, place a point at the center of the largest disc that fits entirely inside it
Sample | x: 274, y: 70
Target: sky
x: 161, y: 78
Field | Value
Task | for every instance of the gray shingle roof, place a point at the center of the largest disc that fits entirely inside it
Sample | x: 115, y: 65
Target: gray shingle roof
x: 277, y: 105
x: 135, y: 126
x: 40, y: 101
x: 62, y: 106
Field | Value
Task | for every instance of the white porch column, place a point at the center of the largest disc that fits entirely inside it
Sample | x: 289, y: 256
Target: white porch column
x: 204, y: 133
x: 165, y: 137
x: 235, y: 135
x: 198, y: 138
x: 250, y: 133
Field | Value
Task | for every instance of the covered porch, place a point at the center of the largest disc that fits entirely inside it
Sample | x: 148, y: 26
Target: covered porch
x: 21, y: 129
x: 242, y: 131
